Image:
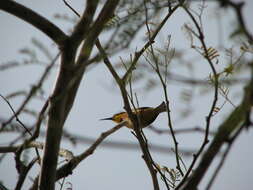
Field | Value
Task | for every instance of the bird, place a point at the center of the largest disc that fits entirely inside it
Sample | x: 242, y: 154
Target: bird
x: 145, y: 115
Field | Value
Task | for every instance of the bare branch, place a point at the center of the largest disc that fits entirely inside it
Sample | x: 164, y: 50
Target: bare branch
x: 224, y: 156
x: 150, y: 42
x: 15, y: 115
x: 68, y: 155
x: 62, y: 100
x: 237, y: 6
x: 143, y: 143
x: 180, y: 131
x: 103, y: 17
x: 32, y: 92
x: 201, y: 37
x: 24, y: 173
x: 83, y: 26
x: 113, y: 144
x: 228, y: 127
x: 164, y: 86
x: 67, y: 169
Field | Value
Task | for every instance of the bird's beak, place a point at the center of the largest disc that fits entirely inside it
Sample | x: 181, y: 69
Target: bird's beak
x: 108, y: 118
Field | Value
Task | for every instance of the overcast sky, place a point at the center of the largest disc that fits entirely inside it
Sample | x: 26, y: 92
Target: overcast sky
x: 98, y: 98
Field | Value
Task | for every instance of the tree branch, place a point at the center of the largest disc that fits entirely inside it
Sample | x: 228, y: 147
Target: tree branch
x: 65, y: 91
x: 143, y: 144
x: 35, y: 144
x: 151, y: 40
x: 228, y: 127
x: 224, y: 156
x: 76, y: 138
x: 41, y: 23
x: 32, y: 91
x: 237, y: 6
x: 83, y: 26
x: 24, y: 173
x: 67, y: 169
x: 200, y: 35
x: 103, y: 17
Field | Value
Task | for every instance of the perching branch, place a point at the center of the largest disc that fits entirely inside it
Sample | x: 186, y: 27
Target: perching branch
x: 67, y: 169
x: 146, y: 155
x: 113, y: 144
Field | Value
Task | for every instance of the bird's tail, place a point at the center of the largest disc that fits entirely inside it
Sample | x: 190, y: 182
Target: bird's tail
x: 161, y: 108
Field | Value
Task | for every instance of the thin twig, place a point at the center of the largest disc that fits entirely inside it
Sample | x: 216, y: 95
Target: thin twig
x: 15, y: 115
x: 200, y: 36
x: 33, y: 91
x: 69, y: 6
x: 167, y: 102
x: 164, y: 86
x: 150, y: 41
x: 226, y: 129
x: 180, y: 131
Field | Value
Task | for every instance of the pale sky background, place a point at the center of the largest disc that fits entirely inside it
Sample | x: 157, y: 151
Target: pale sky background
x: 98, y: 98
